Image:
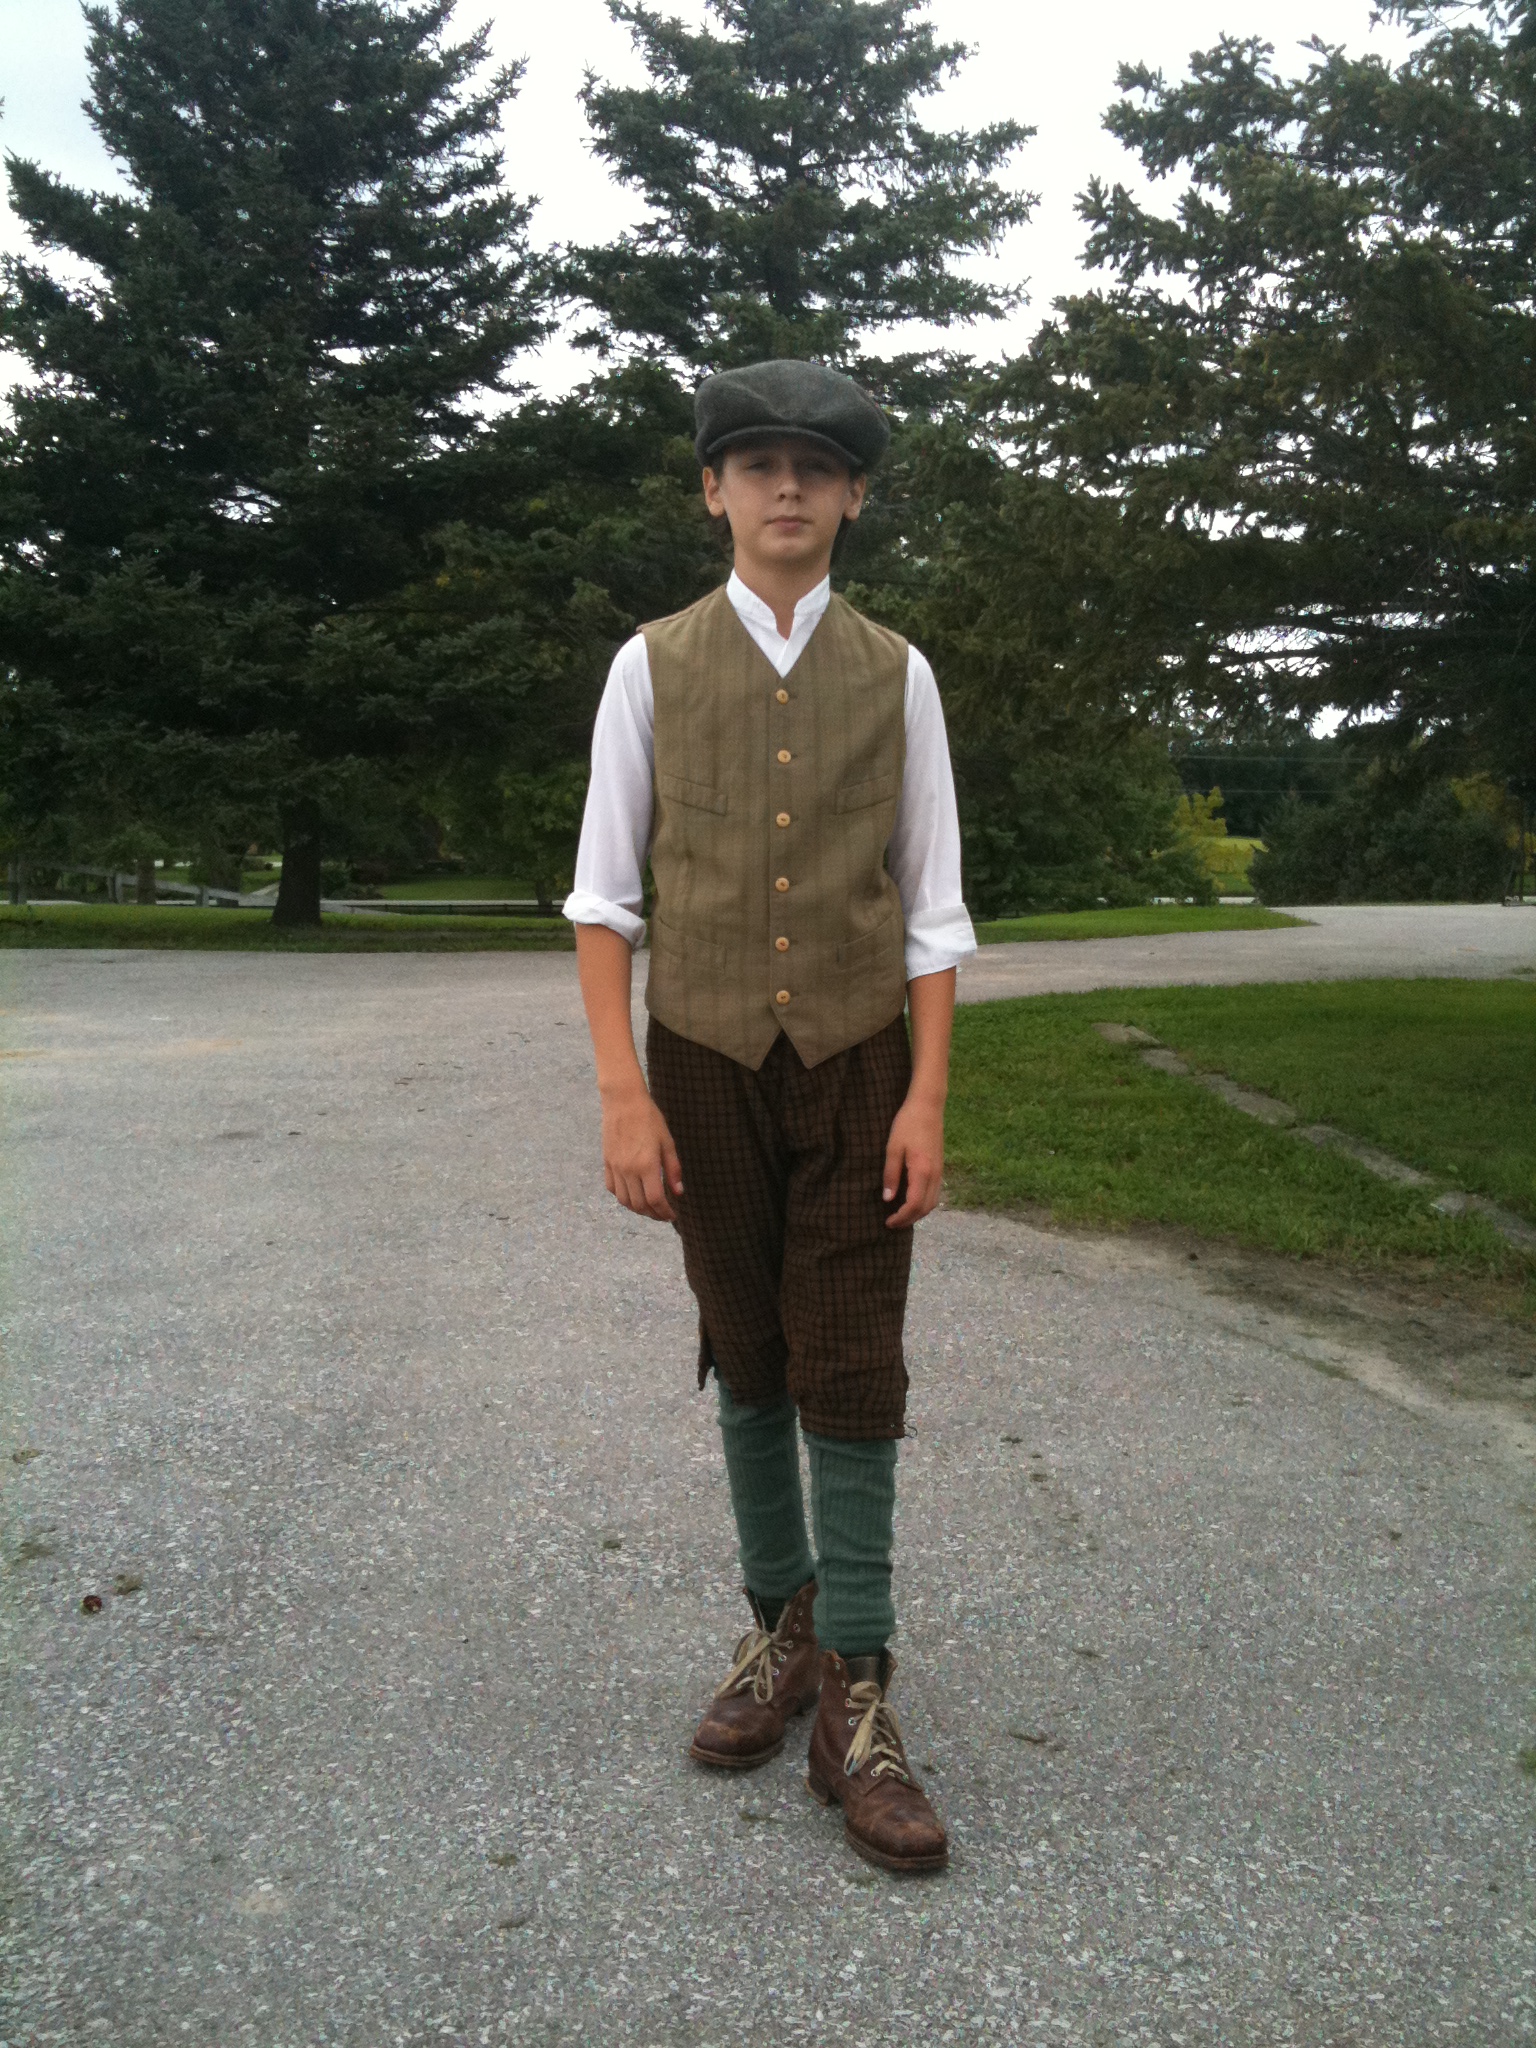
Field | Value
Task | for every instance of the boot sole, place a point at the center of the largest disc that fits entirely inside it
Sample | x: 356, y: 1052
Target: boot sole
x: 901, y: 1866
x: 718, y: 1762
x: 734, y: 1763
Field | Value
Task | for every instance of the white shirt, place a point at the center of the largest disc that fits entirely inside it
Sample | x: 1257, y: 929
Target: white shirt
x: 923, y: 855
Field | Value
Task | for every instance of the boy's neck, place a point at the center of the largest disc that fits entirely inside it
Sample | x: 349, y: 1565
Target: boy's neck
x: 781, y: 587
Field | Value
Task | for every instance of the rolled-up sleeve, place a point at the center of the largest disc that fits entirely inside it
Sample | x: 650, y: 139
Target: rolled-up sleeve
x: 924, y: 851
x: 616, y: 825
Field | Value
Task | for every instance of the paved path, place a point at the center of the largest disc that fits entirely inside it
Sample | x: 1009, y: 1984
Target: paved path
x: 324, y: 1330
x: 1339, y: 943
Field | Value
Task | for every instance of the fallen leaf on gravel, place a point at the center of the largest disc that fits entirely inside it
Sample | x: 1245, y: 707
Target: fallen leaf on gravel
x: 25, y: 1455
x: 1038, y: 1736
x: 91, y: 1604
x: 31, y: 1548
x: 262, y: 1902
x: 520, y: 1916
x: 127, y: 1582
x: 502, y: 1858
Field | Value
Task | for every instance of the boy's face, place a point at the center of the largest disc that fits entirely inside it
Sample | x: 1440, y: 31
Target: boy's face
x: 785, y: 499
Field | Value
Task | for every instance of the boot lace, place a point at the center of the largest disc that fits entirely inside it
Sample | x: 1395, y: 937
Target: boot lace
x: 877, y: 1739
x: 755, y: 1665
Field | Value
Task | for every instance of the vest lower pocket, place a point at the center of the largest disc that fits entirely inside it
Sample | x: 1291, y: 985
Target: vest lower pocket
x: 858, y: 952
x: 689, y: 948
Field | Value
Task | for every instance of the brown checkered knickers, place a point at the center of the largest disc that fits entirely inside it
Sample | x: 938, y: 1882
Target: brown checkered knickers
x: 801, y: 1287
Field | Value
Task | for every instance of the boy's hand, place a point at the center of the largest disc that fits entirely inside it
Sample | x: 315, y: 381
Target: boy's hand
x: 916, y: 1143
x: 640, y: 1162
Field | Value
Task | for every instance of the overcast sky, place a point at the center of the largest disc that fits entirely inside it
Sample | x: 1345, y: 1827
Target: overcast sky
x: 1051, y: 67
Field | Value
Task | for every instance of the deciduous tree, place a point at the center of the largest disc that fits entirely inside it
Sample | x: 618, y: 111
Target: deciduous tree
x: 1302, y: 408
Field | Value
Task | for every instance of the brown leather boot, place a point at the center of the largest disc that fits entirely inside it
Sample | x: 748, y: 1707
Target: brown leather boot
x: 858, y: 1763
x: 773, y: 1676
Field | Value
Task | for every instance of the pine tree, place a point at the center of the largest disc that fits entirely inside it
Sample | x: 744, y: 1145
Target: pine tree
x: 1301, y: 410
x: 246, y: 427
x: 796, y: 202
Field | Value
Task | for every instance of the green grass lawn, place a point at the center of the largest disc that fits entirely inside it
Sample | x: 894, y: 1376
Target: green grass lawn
x: 1227, y: 862
x: 1143, y: 921
x: 191, y: 929
x: 1043, y: 1112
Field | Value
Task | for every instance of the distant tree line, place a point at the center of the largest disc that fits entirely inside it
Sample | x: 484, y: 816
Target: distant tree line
x: 290, y: 551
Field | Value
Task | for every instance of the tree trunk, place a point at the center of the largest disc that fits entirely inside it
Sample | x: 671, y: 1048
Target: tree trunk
x: 144, y: 889
x: 298, y: 888
x: 18, y: 879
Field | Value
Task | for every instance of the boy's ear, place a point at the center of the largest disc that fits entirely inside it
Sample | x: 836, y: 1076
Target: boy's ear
x: 712, y: 497
x: 858, y: 484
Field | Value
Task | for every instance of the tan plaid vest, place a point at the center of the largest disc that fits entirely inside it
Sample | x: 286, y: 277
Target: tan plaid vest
x: 774, y: 802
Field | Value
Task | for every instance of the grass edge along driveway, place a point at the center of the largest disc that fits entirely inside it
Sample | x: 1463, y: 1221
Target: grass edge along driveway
x: 187, y: 927
x: 1044, y: 1113
x: 1139, y: 921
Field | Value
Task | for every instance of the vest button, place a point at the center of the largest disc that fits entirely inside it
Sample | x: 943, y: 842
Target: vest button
x: 782, y: 996
x: 782, y: 884
x: 783, y: 818
x: 782, y: 944
x: 783, y: 753
x: 782, y: 696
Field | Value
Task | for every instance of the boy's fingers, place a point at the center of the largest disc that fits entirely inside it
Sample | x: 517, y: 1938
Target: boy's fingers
x: 890, y: 1177
x: 922, y: 1192
x: 655, y: 1191
x: 672, y: 1167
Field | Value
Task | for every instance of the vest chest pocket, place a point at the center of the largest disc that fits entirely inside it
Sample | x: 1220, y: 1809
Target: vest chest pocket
x: 697, y: 795
x: 858, y: 796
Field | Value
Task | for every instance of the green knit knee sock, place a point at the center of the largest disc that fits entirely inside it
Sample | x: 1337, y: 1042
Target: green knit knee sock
x: 853, y: 1503
x: 762, y: 1462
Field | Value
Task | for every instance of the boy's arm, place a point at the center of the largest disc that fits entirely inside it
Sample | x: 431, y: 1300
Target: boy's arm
x: 917, y: 1134
x: 640, y: 1162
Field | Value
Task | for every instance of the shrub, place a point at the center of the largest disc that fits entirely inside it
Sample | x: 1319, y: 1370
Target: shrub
x: 1067, y: 828
x: 1383, y: 840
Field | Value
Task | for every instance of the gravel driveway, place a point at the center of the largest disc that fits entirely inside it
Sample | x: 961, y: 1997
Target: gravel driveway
x: 1343, y: 942
x: 326, y: 1335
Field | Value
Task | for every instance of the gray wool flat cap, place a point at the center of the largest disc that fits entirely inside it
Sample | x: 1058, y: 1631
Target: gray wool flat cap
x: 789, y: 397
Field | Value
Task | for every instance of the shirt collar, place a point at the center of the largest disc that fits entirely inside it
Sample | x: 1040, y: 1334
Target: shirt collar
x: 748, y: 605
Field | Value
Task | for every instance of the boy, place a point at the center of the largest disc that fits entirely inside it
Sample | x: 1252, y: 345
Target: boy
x: 784, y: 761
